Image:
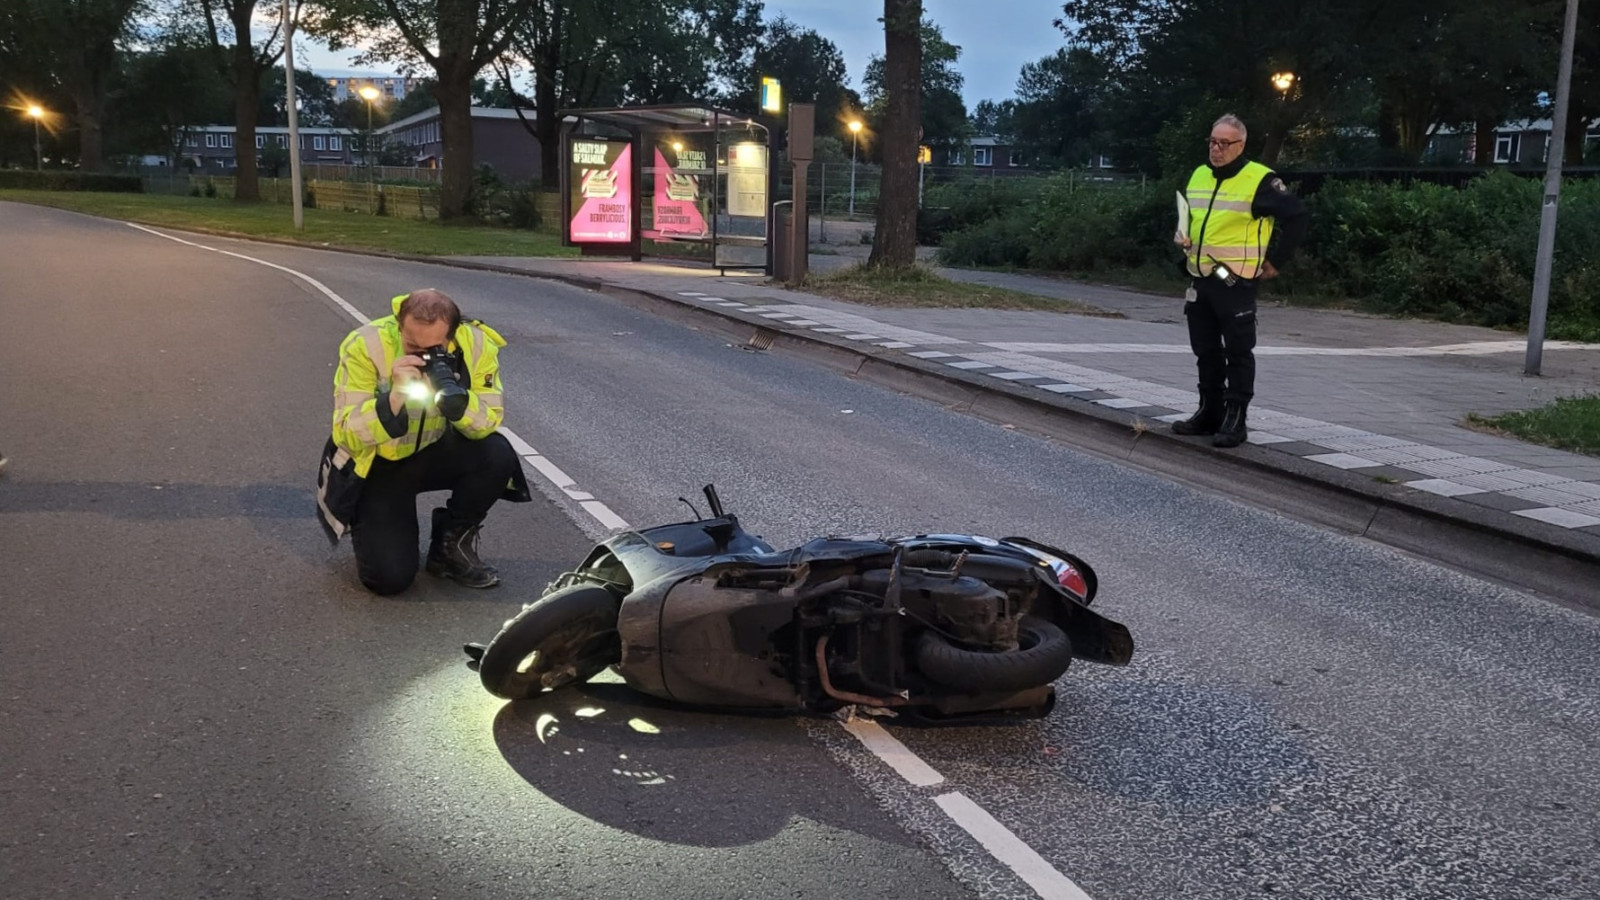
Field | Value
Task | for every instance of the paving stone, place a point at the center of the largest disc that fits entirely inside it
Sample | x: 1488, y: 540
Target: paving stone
x: 1566, y: 518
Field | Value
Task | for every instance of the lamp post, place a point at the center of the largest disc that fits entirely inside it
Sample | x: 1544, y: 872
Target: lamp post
x: 36, y: 112
x: 1283, y: 81
x: 369, y: 94
x: 855, y: 132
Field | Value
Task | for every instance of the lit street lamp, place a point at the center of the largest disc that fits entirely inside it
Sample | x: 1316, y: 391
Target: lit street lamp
x: 36, y: 112
x: 369, y: 94
x: 855, y: 131
x: 1283, y: 81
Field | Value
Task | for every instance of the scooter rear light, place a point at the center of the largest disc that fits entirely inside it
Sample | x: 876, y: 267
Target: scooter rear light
x: 1072, y: 581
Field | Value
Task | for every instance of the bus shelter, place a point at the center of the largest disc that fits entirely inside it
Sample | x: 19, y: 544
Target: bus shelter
x: 685, y: 181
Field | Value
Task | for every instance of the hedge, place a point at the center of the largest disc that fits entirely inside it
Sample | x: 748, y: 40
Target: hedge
x: 1458, y: 254
x: 61, y: 180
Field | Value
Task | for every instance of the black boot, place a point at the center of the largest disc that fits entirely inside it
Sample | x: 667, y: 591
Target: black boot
x: 1232, y: 431
x: 1205, y: 419
x: 453, y: 553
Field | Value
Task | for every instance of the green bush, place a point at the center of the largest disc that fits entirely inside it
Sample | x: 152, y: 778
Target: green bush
x: 211, y: 188
x: 62, y: 180
x: 1457, y: 254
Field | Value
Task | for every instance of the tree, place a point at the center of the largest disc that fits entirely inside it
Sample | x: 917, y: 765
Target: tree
x: 311, y: 91
x: 588, y: 53
x: 943, y: 113
x: 810, y: 68
x: 457, y: 39
x: 242, y: 63
x: 1059, y: 104
x: 70, y: 45
x: 167, y: 92
x: 894, y: 241
x: 993, y: 119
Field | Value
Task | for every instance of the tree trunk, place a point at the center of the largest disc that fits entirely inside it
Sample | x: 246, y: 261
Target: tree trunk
x: 453, y: 90
x: 246, y: 100
x: 894, y: 243
x: 546, y: 122
x: 1272, y: 147
x: 1483, y: 143
x: 90, y: 104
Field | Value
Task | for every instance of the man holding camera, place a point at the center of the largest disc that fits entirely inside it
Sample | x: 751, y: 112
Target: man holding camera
x: 417, y: 402
x: 1243, y: 226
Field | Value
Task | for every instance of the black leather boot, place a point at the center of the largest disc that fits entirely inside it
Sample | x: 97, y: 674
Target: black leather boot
x: 1232, y: 431
x: 453, y: 553
x: 1205, y: 419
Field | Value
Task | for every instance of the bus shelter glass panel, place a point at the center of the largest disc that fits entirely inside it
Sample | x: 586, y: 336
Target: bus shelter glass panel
x: 743, y: 169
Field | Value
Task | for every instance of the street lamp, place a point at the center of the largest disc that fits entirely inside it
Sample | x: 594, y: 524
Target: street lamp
x: 855, y: 132
x: 1283, y: 81
x: 369, y: 94
x: 36, y: 112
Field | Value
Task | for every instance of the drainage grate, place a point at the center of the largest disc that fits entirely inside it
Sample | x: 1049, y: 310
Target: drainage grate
x: 763, y: 338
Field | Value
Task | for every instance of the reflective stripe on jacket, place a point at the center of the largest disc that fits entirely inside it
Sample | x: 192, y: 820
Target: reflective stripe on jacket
x: 366, y: 360
x: 1221, y: 227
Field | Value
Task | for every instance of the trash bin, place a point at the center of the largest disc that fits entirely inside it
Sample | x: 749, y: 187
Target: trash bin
x: 783, y: 240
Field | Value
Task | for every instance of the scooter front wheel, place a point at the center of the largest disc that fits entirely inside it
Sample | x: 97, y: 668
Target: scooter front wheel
x: 566, y: 638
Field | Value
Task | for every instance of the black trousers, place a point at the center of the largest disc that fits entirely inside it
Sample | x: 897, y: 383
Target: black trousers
x: 385, y: 529
x: 1222, y: 334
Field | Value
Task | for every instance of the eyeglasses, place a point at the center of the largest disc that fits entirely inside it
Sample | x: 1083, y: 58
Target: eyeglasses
x: 1221, y: 144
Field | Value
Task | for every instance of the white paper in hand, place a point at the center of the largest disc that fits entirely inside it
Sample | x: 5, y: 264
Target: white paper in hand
x: 1183, y: 215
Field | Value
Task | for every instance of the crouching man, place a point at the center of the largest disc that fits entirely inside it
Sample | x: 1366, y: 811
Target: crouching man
x: 416, y: 405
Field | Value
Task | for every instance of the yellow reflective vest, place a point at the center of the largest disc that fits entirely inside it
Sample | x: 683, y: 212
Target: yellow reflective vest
x: 1221, y: 229
x: 366, y: 361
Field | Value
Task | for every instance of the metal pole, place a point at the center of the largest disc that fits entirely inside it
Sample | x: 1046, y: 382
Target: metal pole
x: 922, y: 170
x: 1552, y: 199
x: 822, y: 208
x: 38, y: 154
x: 853, y: 136
x: 294, y: 119
x: 366, y: 152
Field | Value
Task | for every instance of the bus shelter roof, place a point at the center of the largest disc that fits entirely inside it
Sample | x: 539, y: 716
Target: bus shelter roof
x: 673, y: 117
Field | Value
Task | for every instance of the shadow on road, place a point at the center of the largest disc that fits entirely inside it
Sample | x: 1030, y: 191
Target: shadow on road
x: 672, y: 775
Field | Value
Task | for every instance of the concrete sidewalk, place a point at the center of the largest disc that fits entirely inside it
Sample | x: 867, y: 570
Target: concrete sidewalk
x: 1368, y: 405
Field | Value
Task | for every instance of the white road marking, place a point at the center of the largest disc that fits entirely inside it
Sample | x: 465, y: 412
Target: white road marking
x: 300, y: 275
x: 1009, y: 849
x: 1006, y: 847
x: 888, y: 748
x: 532, y: 457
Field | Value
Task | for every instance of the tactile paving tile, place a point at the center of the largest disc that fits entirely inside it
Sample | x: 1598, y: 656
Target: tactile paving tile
x: 1564, y: 494
x: 1466, y: 465
x: 1342, y: 460
x: 1362, y: 442
x: 1490, y: 481
x: 1566, y: 518
x: 1443, y: 488
x: 1409, y: 454
x: 1121, y: 403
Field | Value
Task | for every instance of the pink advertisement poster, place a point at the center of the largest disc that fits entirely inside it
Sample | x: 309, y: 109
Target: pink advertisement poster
x: 602, y: 192
x: 677, y: 203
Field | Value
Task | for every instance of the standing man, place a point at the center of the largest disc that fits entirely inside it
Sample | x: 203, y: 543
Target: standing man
x: 1243, y: 226
x: 416, y: 405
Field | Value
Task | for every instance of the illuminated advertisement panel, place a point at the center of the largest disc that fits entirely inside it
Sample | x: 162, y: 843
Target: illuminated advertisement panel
x: 679, y: 205
x: 601, y: 192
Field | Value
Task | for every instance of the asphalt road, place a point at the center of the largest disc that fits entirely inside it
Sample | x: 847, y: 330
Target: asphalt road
x: 199, y: 700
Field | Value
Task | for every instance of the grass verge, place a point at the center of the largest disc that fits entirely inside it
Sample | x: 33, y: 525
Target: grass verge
x: 1570, y: 423
x: 918, y: 286
x: 323, y: 228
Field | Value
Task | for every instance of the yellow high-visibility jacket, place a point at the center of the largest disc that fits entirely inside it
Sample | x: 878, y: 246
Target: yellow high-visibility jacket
x: 1221, y: 228
x: 361, y: 384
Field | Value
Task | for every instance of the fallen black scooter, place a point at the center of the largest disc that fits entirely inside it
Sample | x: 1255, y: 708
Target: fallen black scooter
x: 942, y: 627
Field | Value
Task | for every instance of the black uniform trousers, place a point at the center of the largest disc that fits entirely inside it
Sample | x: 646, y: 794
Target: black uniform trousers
x: 1222, y: 334
x: 385, y: 532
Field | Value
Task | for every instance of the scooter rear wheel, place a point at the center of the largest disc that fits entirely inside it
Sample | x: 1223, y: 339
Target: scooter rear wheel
x: 565, y: 638
x: 1044, y: 655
